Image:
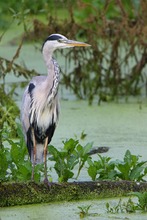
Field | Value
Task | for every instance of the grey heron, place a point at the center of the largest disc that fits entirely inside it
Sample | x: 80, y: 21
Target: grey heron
x: 40, y: 104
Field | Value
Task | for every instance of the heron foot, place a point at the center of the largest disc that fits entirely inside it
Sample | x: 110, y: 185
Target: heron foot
x: 48, y: 183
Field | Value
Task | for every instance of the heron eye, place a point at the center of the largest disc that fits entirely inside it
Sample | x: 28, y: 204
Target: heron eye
x: 62, y: 41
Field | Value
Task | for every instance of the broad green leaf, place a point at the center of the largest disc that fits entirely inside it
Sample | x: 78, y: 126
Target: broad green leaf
x: 70, y: 145
x: 54, y: 152
x: 136, y: 173
x: 92, y: 171
x: 87, y: 148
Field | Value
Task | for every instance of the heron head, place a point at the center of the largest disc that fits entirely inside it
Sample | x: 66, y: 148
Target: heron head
x: 57, y: 41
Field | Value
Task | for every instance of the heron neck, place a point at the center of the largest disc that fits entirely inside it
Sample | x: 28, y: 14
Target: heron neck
x: 53, y: 73
x: 52, y: 79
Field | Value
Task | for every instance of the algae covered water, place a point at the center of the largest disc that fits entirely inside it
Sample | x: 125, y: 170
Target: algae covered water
x: 68, y: 210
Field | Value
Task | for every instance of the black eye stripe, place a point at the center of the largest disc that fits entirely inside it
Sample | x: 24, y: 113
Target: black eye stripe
x: 53, y: 37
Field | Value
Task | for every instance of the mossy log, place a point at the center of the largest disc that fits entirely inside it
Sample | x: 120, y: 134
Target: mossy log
x: 27, y: 193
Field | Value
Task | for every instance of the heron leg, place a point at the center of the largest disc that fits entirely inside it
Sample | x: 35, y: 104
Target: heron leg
x: 45, y: 160
x: 34, y: 154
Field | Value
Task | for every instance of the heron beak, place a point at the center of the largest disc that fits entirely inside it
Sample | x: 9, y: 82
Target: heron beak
x: 73, y: 43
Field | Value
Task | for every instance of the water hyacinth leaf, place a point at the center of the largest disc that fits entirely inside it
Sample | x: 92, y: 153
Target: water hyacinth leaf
x: 25, y: 171
x: 92, y: 171
x: 70, y: 145
x: 87, y: 148
x: 137, y: 172
x: 72, y: 162
x: 54, y: 152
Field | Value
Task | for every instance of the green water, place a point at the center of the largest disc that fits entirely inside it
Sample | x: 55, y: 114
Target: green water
x: 68, y: 211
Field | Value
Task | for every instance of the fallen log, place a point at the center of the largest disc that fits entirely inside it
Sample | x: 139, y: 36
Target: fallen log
x: 20, y: 193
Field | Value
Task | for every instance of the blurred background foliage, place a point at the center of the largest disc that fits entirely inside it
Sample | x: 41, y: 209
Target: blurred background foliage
x: 114, y: 66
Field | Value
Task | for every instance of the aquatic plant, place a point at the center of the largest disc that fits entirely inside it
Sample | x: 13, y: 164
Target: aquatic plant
x: 68, y: 157
x: 121, y: 207
x: 142, y: 200
x: 127, y: 169
x: 102, y: 168
x: 130, y: 168
x: 84, y: 211
x: 129, y: 206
